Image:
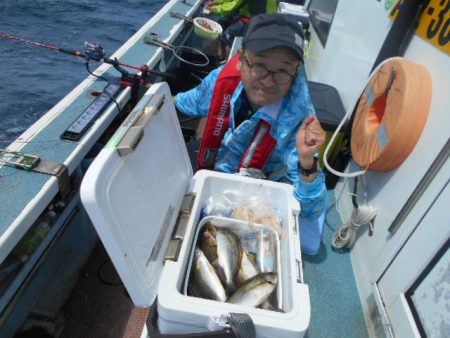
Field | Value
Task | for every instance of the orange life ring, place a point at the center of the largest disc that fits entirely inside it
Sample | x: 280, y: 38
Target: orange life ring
x: 391, y: 115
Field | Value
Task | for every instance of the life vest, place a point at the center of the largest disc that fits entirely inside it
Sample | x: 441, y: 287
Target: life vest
x: 218, y: 121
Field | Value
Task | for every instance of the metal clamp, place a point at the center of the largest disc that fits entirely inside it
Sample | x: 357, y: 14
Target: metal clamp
x: 181, y: 16
x: 153, y: 39
x: 18, y: 159
x: 34, y: 163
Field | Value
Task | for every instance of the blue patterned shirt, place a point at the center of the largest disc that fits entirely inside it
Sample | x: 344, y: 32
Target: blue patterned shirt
x: 285, y: 117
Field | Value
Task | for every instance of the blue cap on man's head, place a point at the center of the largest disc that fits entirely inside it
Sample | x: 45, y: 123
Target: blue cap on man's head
x: 267, y: 31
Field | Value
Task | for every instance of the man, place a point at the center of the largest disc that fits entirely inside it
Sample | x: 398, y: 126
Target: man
x: 223, y: 7
x: 260, y: 115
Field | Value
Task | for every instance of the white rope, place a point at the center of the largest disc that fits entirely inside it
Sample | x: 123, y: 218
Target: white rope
x: 345, y: 235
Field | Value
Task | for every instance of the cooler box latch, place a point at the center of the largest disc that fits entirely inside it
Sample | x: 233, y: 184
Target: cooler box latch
x: 179, y: 231
x: 134, y: 134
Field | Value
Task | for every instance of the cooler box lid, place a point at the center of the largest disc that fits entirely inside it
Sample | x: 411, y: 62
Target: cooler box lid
x: 134, y: 188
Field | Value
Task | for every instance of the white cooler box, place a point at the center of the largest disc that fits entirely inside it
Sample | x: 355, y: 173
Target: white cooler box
x: 145, y: 205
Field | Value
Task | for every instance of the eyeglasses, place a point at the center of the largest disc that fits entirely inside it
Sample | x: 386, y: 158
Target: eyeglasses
x: 259, y: 72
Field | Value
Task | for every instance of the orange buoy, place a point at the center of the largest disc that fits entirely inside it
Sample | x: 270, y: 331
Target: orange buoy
x: 391, y: 115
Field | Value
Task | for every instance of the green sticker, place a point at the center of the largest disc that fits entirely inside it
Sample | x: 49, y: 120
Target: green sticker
x: 388, y: 4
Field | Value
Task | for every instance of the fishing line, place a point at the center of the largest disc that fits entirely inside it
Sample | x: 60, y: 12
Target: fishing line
x: 28, y: 142
x: 96, y: 57
x: 6, y: 164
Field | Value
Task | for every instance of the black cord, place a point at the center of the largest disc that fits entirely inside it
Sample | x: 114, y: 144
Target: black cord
x: 355, y: 193
x: 104, y: 79
x: 191, y: 118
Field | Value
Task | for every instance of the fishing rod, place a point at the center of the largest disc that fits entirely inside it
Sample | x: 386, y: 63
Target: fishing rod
x: 93, y: 52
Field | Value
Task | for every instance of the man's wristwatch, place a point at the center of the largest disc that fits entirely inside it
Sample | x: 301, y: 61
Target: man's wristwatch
x: 310, y: 171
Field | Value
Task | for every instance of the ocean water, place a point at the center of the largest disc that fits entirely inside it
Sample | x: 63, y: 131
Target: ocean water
x: 33, y: 79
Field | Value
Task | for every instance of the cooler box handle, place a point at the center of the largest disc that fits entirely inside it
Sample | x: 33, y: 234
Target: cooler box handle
x: 241, y: 323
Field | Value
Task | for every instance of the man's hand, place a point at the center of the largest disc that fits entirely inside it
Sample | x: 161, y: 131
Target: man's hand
x: 310, y: 139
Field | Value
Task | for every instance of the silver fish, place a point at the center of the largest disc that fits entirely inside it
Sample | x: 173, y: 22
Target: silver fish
x: 255, y: 290
x: 204, y: 280
x: 208, y: 242
x: 266, y: 255
x: 229, y: 255
x: 267, y: 305
x: 247, y: 267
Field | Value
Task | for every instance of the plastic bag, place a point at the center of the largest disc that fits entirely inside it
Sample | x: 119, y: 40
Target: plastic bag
x: 250, y: 203
x: 220, y: 205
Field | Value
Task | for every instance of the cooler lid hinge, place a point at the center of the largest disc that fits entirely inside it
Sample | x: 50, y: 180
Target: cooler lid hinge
x: 187, y: 204
x: 178, y: 234
x: 34, y: 163
x: 295, y: 215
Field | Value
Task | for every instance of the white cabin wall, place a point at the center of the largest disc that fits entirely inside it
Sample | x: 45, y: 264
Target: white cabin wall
x: 389, y: 191
x: 357, y: 33
x: 356, y: 36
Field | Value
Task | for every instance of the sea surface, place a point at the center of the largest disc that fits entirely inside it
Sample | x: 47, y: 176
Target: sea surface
x: 32, y: 78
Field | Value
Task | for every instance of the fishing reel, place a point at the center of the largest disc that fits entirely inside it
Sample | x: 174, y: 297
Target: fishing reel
x: 94, y: 51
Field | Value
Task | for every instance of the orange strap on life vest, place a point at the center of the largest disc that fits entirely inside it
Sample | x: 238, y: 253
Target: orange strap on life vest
x: 218, y: 121
x: 260, y: 148
x: 219, y: 114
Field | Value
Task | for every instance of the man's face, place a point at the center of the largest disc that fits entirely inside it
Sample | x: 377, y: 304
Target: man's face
x: 268, y: 89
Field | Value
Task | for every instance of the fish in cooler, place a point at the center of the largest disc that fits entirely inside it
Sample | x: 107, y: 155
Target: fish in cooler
x: 267, y: 305
x: 223, y: 250
x: 266, y: 252
x: 247, y: 268
x: 255, y: 290
x: 235, y: 268
x: 229, y: 256
x: 208, y: 243
x: 204, y: 280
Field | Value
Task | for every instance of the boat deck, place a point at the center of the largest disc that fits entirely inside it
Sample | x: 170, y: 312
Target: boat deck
x: 100, y: 307
x: 336, y: 309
